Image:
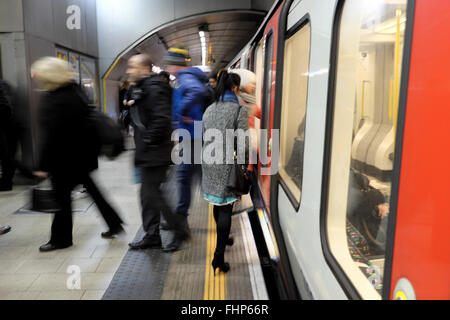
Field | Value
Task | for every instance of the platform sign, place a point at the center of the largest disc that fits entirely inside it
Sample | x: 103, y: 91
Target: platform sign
x: 74, y: 62
x: 62, y: 54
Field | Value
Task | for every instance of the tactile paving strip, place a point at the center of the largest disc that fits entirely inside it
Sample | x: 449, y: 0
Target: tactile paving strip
x: 186, y: 275
x: 141, y: 274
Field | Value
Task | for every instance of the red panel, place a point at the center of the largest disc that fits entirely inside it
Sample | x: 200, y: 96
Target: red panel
x: 422, y: 239
x: 271, y: 25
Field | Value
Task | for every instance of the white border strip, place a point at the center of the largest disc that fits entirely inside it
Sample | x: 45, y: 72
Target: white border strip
x: 254, y: 265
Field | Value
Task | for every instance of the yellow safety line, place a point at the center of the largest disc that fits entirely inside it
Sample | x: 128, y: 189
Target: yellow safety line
x: 104, y: 83
x: 215, y: 286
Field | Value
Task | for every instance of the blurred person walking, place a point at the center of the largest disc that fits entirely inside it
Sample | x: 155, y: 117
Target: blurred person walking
x: 67, y: 152
x: 8, y: 137
x: 188, y: 106
x: 221, y: 116
x: 151, y: 119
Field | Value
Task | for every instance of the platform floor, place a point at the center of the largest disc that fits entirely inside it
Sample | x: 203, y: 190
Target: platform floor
x: 108, y: 269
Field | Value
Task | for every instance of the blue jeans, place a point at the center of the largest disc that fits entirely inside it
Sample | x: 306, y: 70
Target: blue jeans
x: 185, y: 173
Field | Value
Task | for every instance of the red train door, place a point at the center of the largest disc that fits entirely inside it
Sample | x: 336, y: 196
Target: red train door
x: 421, y: 254
x: 267, y: 104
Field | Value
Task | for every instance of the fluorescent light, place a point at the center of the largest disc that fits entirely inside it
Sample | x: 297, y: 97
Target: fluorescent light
x: 202, y: 35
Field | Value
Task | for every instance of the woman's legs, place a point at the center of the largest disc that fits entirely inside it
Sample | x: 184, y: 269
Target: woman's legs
x: 61, y: 234
x: 110, y: 215
x: 222, y: 215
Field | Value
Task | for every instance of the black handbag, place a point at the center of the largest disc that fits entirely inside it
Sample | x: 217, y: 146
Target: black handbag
x: 239, y: 178
x: 124, y: 118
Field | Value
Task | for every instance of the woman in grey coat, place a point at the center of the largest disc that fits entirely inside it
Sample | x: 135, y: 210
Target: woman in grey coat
x: 219, y: 117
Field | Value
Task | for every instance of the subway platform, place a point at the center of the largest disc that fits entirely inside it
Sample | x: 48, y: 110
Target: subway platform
x: 101, y: 269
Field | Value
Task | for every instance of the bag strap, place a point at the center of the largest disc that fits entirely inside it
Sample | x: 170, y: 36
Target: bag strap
x: 236, y: 119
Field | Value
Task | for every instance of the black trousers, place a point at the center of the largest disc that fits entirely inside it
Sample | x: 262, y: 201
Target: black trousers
x: 8, y: 148
x: 222, y: 216
x: 62, y: 225
x: 154, y: 202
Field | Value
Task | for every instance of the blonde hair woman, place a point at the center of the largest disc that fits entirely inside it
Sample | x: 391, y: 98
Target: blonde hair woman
x: 67, y: 151
x: 52, y: 73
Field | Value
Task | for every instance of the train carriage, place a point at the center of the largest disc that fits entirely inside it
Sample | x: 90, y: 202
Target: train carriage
x: 357, y: 93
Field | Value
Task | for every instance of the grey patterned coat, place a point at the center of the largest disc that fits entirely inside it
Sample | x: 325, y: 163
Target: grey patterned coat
x: 220, y: 116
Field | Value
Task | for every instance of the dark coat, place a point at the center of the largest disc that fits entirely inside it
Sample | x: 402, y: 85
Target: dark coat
x: 65, y: 138
x: 5, y: 105
x: 151, y: 117
x: 220, y: 116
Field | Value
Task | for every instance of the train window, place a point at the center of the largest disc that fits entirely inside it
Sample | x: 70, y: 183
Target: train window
x: 293, y: 111
x: 369, y: 60
x: 259, y: 72
x: 268, y: 72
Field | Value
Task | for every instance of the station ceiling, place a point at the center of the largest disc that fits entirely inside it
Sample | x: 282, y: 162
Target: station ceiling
x: 228, y: 32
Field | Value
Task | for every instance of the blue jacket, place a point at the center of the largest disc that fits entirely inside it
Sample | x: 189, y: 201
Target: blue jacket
x: 189, y: 98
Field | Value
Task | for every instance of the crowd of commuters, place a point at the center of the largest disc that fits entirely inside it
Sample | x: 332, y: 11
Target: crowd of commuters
x: 154, y: 105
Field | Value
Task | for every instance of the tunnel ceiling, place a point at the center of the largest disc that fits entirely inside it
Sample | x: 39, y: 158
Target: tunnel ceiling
x: 227, y: 32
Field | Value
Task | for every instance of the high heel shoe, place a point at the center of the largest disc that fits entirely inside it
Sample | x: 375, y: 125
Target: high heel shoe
x: 218, y: 262
x: 230, y: 241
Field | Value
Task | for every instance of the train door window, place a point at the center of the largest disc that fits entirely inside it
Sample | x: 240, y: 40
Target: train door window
x: 293, y: 111
x: 366, y: 101
x: 268, y: 72
x: 259, y: 78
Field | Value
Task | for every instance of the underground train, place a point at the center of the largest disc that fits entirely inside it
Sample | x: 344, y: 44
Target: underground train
x: 358, y: 91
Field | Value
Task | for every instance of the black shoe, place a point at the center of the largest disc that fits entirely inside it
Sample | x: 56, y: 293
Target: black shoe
x: 147, y: 242
x: 112, y: 233
x: 219, y: 262
x: 51, y: 247
x: 5, y: 230
x: 174, y: 245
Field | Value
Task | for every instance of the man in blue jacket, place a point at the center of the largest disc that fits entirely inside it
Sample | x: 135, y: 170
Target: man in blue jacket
x: 188, y: 105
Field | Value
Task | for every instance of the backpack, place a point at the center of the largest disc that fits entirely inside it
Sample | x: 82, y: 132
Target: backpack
x: 108, y: 138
